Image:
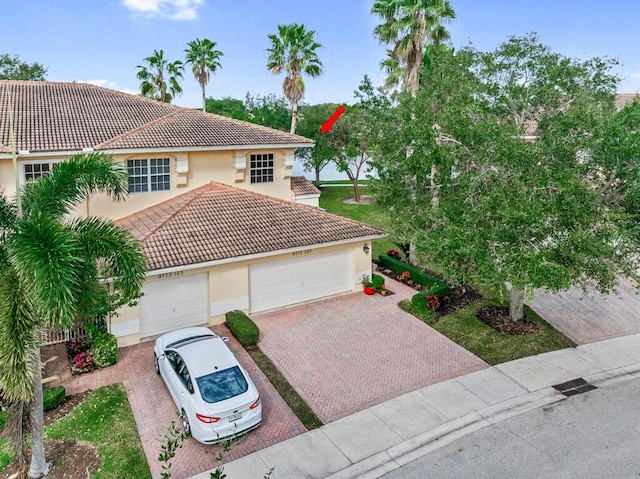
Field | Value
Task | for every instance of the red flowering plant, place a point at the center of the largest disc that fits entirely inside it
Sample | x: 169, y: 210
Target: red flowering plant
x: 82, y: 363
x: 406, y: 276
x: 432, y: 302
x: 393, y: 253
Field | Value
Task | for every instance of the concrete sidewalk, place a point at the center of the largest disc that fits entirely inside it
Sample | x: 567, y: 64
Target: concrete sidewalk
x: 384, y: 437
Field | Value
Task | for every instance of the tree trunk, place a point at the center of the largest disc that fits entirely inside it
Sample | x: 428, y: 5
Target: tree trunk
x: 204, y: 100
x: 39, y: 466
x: 435, y: 198
x: 294, y: 116
x: 318, y: 177
x: 516, y: 304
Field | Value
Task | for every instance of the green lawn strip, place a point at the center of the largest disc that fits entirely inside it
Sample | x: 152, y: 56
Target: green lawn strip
x: 490, y: 345
x: 331, y: 199
x: 105, y: 419
x: 299, y: 407
x: 5, y: 453
x: 342, y: 182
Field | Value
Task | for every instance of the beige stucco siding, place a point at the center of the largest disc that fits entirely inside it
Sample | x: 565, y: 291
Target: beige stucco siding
x: 229, y: 287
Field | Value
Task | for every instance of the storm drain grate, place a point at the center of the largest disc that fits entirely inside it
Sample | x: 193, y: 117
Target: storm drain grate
x: 573, y: 387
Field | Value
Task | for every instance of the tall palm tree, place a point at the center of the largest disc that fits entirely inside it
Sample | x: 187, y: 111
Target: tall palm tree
x: 205, y: 61
x: 50, y: 267
x: 293, y: 51
x: 408, y: 25
x: 159, y: 78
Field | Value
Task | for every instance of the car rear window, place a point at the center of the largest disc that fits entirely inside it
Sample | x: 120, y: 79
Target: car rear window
x: 222, y: 385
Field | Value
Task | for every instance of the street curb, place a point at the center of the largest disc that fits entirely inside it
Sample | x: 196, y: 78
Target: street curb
x: 407, y: 451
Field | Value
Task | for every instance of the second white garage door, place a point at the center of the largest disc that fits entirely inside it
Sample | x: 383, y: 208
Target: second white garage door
x: 301, y: 278
x: 173, y: 303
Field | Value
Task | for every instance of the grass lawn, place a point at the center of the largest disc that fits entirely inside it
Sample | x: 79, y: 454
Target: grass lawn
x: 5, y: 454
x: 290, y: 396
x: 331, y: 199
x: 461, y: 326
x: 105, y: 419
x: 490, y: 345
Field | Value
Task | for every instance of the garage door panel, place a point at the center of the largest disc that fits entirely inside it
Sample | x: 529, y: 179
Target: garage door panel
x: 173, y: 303
x: 299, y: 279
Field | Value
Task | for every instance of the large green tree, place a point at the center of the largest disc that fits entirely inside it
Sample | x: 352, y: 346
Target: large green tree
x: 410, y: 25
x: 294, y: 51
x: 13, y: 68
x: 205, y: 61
x: 159, y: 78
x: 521, y: 203
x: 51, y: 264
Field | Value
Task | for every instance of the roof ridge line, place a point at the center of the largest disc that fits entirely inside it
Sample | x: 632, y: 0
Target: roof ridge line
x: 105, y: 144
x: 195, y: 193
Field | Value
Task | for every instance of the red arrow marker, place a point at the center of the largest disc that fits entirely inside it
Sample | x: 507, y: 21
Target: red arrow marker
x: 327, y: 125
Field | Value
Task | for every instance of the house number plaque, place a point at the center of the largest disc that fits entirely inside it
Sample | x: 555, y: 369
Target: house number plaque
x: 173, y: 274
x: 300, y: 253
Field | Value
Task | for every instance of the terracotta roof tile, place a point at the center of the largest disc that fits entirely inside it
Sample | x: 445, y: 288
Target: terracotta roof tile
x: 51, y: 116
x: 623, y: 99
x: 216, y: 222
x: 301, y: 186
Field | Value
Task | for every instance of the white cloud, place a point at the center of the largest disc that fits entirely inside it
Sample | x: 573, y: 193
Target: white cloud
x: 171, y: 9
x: 109, y: 84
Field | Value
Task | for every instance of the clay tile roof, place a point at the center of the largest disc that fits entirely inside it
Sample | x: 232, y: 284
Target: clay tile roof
x: 56, y: 116
x: 301, y: 186
x: 216, y: 222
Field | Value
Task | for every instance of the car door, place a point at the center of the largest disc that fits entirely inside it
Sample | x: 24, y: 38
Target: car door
x: 171, y: 376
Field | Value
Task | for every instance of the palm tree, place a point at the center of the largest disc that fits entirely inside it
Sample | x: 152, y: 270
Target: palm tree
x: 408, y: 25
x: 50, y: 267
x: 293, y: 51
x: 159, y: 78
x: 205, y: 60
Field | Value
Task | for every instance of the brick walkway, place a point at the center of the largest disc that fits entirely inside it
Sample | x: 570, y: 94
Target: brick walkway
x: 591, y: 317
x: 345, y: 354
x: 153, y: 408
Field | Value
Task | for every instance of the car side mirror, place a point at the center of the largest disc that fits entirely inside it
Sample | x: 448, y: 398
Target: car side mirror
x: 162, y: 356
x: 225, y: 339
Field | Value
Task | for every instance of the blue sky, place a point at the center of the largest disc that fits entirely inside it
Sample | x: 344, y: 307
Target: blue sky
x: 102, y: 41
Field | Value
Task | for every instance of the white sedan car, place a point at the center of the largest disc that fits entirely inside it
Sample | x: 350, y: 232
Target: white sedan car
x: 214, y: 394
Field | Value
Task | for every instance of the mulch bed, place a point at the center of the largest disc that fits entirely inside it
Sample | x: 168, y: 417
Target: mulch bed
x: 457, y: 298
x: 71, y: 459
x: 497, y: 317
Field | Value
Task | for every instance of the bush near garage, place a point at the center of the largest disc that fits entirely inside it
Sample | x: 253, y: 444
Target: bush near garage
x: 51, y: 399
x: 242, y: 327
x: 429, y: 284
x: 104, y: 349
x: 98, y: 349
x: 378, y: 281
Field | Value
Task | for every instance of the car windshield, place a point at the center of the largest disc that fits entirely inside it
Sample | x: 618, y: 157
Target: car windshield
x: 222, y: 385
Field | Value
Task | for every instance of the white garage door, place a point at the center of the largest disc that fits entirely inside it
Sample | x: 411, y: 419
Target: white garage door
x: 301, y: 278
x: 173, y: 303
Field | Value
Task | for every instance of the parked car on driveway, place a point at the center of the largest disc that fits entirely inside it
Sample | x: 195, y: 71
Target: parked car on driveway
x: 215, y: 396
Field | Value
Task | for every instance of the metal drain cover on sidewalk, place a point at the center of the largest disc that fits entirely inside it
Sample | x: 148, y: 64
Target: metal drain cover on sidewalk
x: 573, y: 387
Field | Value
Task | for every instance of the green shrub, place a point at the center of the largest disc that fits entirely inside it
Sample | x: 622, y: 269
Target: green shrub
x: 242, y: 327
x: 435, y: 286
x: 3, y: 418
x: 104, y: 349
x: 53, y: 397
x: 377, y: 280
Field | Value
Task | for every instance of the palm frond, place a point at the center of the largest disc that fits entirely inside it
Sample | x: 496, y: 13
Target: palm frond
x: 73, y: 181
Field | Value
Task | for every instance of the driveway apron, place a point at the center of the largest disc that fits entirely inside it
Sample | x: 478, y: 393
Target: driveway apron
x: 591, y: 316
x: 153, y: 408
x: 351, y: 352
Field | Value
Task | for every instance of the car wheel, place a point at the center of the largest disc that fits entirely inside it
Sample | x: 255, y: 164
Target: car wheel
x: 155, y: 360
x: 185, y: 423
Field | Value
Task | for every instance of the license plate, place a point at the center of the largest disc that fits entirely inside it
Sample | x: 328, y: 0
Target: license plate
x: 235, y: 417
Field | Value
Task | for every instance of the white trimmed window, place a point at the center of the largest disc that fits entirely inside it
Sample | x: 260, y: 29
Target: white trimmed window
x: 153, y: 174
x: 262, y: 168
x: 32, y: 170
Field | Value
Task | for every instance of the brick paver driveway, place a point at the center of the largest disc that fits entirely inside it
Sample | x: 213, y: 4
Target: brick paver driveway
x: 591, y: 317
x: 347, y: 353
x: 153, y: 408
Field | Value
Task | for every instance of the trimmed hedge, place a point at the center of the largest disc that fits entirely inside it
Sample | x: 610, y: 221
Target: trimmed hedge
x: 104, y: 349
x: 377, y: 280
x: 435, y: 285
x: 242, y: 327
x: 51, y: 399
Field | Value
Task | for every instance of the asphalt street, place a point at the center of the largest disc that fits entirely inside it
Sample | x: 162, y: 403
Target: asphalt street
x: 592, y: 435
